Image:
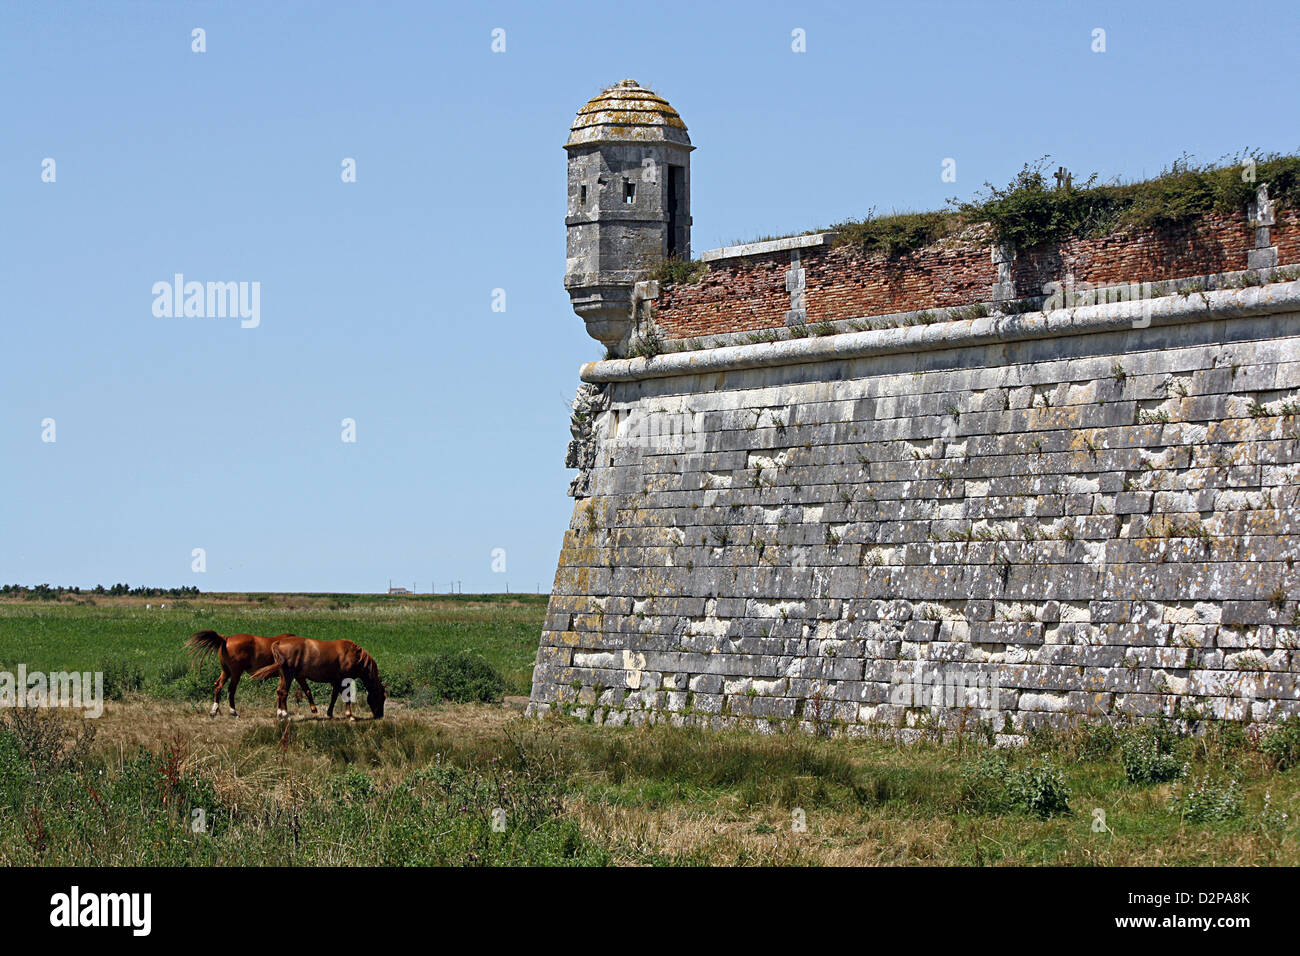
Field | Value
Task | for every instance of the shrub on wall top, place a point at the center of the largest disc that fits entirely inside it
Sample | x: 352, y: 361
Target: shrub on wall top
x: 1030, y: 211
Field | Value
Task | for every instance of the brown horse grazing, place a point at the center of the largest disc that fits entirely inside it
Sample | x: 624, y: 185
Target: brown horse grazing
x: 239, y: 653
x: 330, y: 662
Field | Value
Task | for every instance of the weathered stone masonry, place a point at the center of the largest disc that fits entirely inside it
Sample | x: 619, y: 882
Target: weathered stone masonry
x: 1022, y: 519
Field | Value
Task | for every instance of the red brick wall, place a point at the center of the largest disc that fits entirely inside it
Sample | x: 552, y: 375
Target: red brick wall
x: 1286, y: 236
x: 735, y: 295
x: 1214, y: 244
x: 842, y: 284
x: 745, y: 294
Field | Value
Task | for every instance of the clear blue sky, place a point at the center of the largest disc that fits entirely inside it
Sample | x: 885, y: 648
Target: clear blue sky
x: 175, y: 433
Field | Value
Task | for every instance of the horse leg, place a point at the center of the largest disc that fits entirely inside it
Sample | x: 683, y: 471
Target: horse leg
x: 216, y: 691
x: 302, y: 683
x: 234, y: 682
x: 334, y: 695
x: 282, y: 693
x: 352, y: 692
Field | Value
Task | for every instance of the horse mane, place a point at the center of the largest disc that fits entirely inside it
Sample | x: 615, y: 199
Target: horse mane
x: 369, y: 671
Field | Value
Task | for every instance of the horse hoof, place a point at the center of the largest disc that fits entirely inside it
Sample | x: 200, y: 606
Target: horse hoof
x: 214, y: 710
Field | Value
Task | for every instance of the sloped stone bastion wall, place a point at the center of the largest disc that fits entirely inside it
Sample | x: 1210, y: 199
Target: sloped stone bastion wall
x: 845, y: 482
x: 1016, y: 519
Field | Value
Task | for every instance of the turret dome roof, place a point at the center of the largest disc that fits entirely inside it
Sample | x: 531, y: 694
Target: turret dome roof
x: 627, y: 113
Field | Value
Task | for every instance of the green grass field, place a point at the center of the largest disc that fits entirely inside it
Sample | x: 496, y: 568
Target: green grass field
x: 422, y: 785
x: 145, y: 647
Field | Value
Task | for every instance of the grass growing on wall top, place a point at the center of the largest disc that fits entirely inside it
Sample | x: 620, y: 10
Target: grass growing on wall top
x: 673, y: 270
x: 898, y: 234
x: 1034, y: 209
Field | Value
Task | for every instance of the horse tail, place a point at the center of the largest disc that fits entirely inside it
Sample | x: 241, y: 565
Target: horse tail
x: 202, y: 643
x: 270, y: 670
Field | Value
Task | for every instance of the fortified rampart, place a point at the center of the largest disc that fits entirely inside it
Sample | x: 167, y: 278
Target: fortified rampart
x: 966, y: 483
x: 749, y: 288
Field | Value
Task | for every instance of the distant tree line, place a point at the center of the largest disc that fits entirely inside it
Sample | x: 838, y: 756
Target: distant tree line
x: 44, y: 592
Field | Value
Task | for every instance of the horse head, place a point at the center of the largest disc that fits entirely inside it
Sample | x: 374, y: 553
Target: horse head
x: 375, y: 695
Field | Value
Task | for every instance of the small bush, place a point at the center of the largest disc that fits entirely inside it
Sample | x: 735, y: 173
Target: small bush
x: 1028, y: 212
x: 1041, y: 790
x: 400, y: 683
x: 985, y: 784
x: 36, y: 743
x: 460, y: 677
x: 1097, y: 741
x: 1148, y: 756
x: 1270, y: 817
x: 648, y: 342
x: 1280, y: 744
x: 990, y: 784
x: 1204, y: 800
x: 352, y: 786
x: 121, y: 677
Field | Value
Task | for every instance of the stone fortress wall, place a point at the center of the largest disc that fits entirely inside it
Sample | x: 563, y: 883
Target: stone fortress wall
x: 949, y: 503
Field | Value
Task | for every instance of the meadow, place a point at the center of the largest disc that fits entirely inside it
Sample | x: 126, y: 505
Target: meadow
x: 139, y: 644
x: 156, y: 781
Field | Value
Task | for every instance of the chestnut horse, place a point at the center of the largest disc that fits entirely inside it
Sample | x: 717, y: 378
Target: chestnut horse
x: 239, y: 653
x: 330, y: 662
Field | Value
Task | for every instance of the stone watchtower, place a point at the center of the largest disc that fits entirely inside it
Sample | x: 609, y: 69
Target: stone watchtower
x: 629, y: 203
